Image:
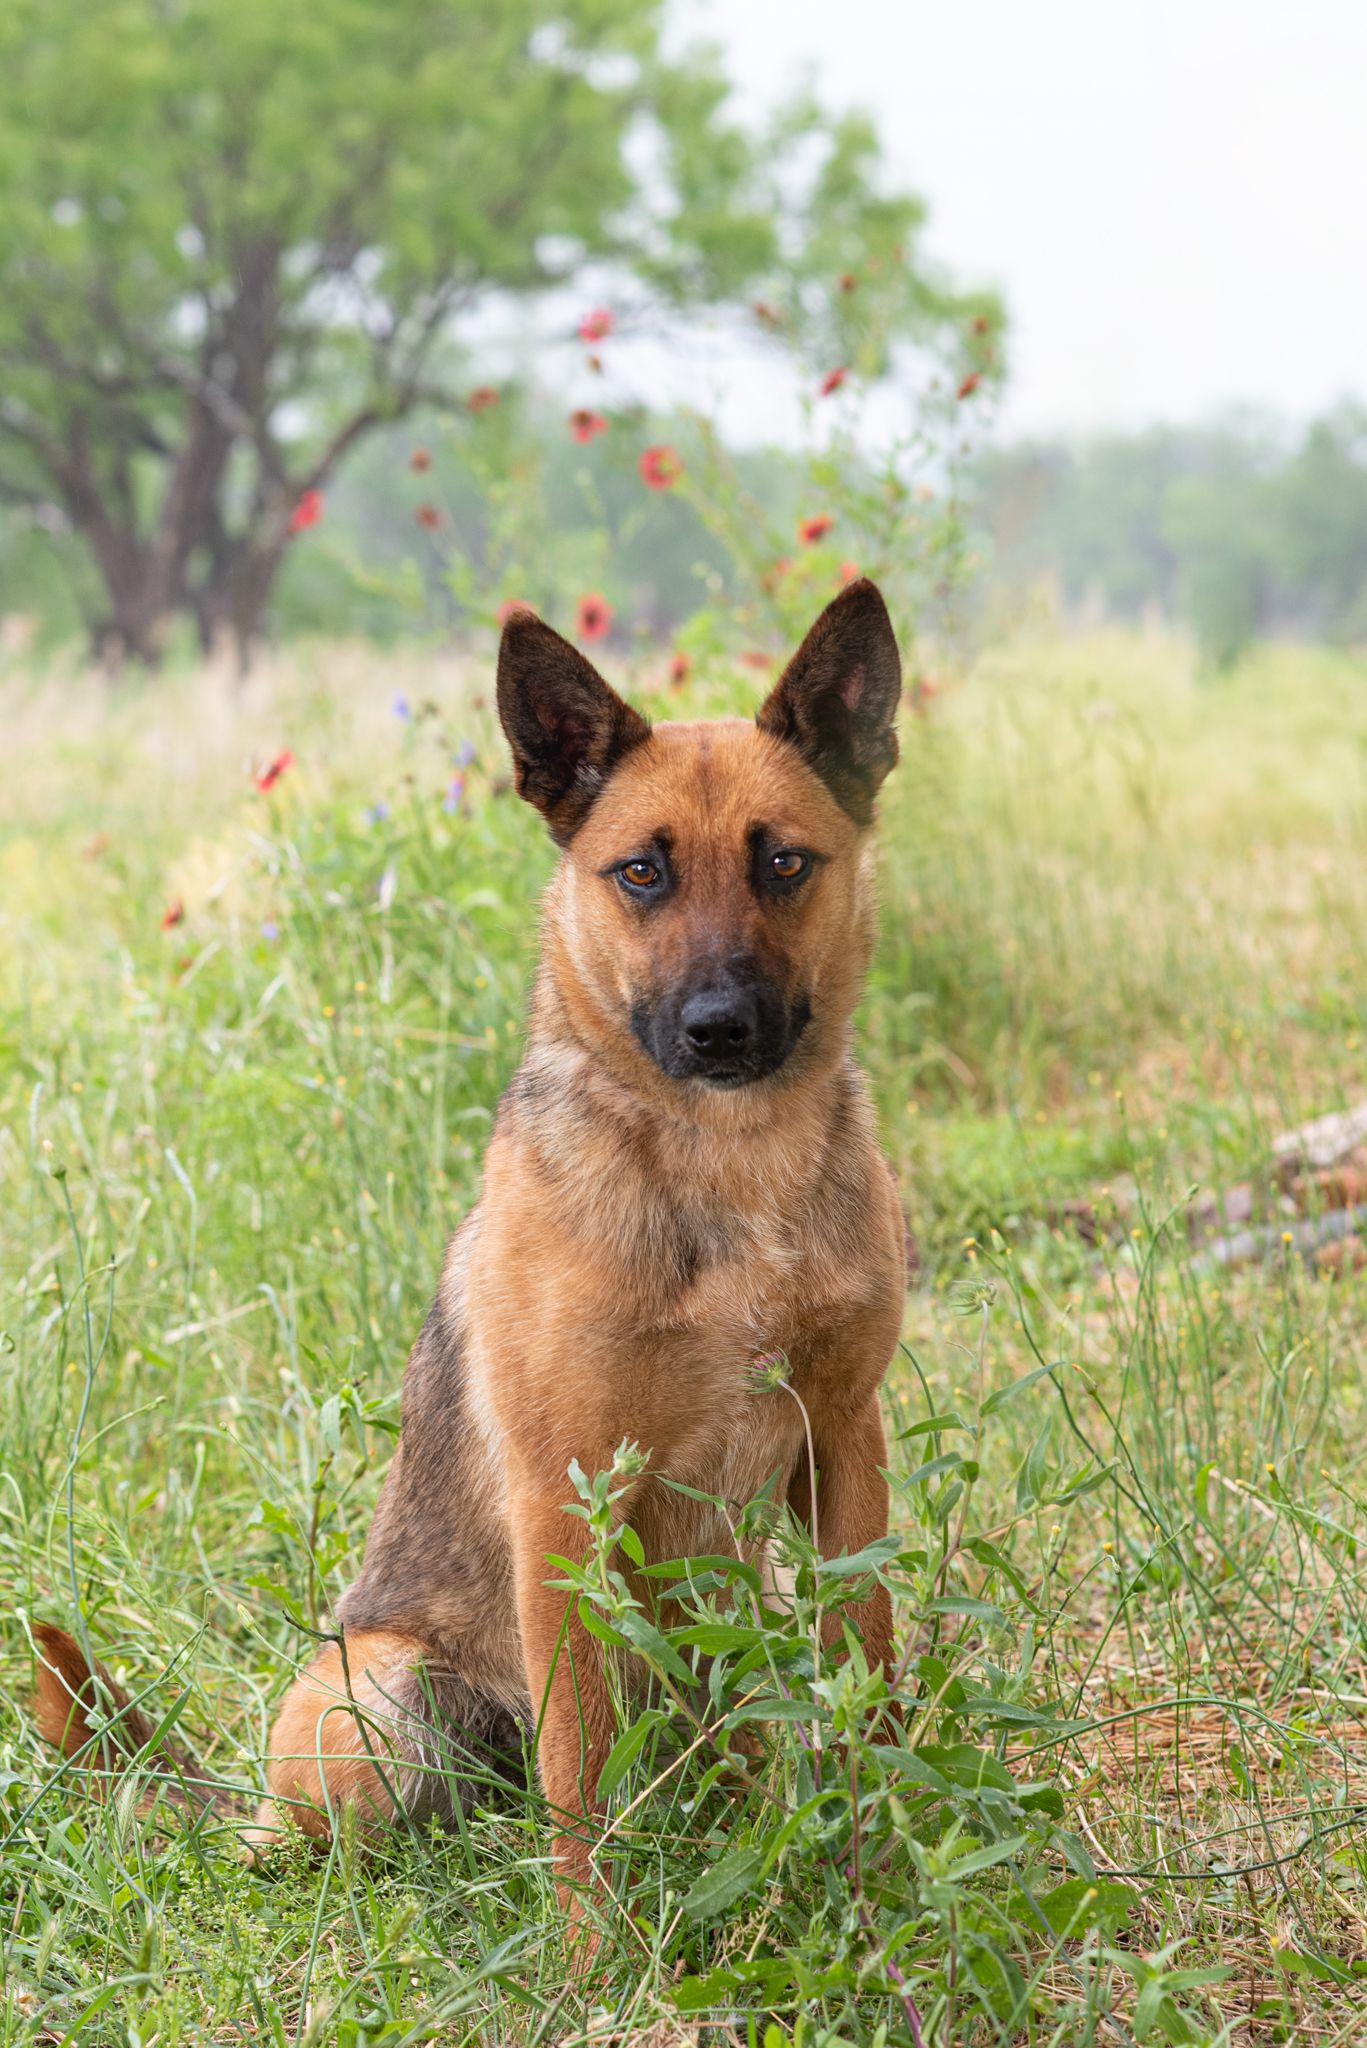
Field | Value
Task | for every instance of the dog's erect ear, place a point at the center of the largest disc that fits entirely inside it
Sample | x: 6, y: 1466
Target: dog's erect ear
x: 836, y: 701
x: 567, y: 728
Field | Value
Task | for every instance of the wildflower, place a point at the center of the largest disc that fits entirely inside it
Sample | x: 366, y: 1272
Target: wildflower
x: 377, y: 814
x: 307, y: 512
x: 680, y: 667
x: 594, y: 617
x: 455, y: 794
x: 848, y: 280
x: 173, y: 915
x: 402, y: 707
x: 428, y: 516
x: 849, y: 572
x: 660, y: 467
x: 509, y: 607
x: 597, y: 325
x: 757, y: 657
x: 833, y: 380
x: 273, y: 771
x: 768, y: 1371
x: 970, y: 1297
x: 465, y: 753
x: 585, y: 424
x: 482, y: 397
x: 970, y: 384
x: 981, y: 324
x: 270, y: 931
x: 764, y: 311
x: 419, y: 460
x: 816, y: 528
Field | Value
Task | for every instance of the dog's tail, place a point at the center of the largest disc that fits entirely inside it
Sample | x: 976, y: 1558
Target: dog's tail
x: 70, y: 1687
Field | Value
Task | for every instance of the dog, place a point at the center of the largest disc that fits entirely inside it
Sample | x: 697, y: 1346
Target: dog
x: 683, y: 1176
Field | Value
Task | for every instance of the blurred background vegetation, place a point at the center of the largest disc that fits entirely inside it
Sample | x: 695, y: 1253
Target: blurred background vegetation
x: 401, y: 266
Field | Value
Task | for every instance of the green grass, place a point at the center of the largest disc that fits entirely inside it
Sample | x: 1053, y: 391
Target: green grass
x: 1123, y: 942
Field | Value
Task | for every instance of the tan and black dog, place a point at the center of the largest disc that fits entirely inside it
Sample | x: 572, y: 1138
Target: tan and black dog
x: 683, y: 1176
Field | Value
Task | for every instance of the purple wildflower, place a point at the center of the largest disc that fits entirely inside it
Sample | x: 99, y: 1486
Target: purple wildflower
x: 454, y: 794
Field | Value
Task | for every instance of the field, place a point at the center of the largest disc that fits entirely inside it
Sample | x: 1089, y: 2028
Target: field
x: 250, y: 1042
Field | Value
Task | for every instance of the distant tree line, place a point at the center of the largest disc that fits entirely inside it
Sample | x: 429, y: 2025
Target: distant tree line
x: 1235, y: 528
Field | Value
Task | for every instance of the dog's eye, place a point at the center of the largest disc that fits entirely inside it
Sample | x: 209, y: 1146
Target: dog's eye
x: 639, y: 874
x: 787, y: 866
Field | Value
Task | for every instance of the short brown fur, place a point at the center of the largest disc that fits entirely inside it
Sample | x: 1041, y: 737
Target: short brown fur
x: 640, y: 1238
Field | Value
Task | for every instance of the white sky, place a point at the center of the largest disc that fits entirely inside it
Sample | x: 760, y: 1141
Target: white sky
x: 1171, y: 197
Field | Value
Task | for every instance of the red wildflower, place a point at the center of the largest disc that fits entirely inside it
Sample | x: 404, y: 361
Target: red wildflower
x: 849, y: 572
x: 660, y: 467
x: 597, y: 325
x: 273, y: 771
x: 585, y: 424
x: 815, y: 528
x: 173, y: 915
x: 755, y: 657
x: 509, y: 607
x: 764, y: 311
x: 420, y: 460
x: 680, y: 668
x: 981, y: 324
x: 482, y: 397
x: 970, y: 384
x: 848, y: 280
x: 428, y: 516
x: 833, y: 380
x: 307, y: 512
x: 594, y: 617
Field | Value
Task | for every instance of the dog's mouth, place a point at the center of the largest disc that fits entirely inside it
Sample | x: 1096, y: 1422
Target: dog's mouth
x: 725, y: 1035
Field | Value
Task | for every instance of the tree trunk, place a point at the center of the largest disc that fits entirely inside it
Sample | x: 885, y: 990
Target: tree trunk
x: 230, y: 605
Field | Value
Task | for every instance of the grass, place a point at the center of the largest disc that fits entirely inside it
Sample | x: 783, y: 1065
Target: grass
x: 1123, y: 946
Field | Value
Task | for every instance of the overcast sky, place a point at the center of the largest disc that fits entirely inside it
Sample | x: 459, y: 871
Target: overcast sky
x: 1170, y: 194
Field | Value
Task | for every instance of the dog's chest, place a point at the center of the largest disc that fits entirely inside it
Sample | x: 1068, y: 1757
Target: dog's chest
x: 749, y: 1450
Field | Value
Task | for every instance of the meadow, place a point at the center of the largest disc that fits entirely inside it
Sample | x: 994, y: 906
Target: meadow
x: 264, y: 950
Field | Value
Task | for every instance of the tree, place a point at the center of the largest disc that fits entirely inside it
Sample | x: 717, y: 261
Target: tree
x: 237, y: 234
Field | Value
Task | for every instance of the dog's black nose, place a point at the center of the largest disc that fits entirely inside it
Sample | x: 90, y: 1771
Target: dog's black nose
x: 720, y: 1024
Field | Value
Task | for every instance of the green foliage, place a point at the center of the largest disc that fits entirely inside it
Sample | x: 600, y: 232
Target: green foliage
x: 239, y: 237
x: 1227, y: 527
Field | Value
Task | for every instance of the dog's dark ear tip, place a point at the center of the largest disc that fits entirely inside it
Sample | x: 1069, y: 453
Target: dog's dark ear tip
x: 522, y: 624
x: 862, y: 595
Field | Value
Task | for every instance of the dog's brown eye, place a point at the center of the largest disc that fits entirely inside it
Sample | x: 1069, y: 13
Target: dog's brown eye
x: 788, y: 866
x: 641, y: 874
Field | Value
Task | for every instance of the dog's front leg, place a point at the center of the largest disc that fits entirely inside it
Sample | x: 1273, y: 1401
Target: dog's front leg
x: 852, y: 1512
x: 568, y: 1683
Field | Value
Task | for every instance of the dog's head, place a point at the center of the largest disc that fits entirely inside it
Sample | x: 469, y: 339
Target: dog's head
x: 711, y: 918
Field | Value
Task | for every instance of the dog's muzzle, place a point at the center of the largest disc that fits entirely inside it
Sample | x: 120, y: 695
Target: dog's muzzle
x: 727, y: 1029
